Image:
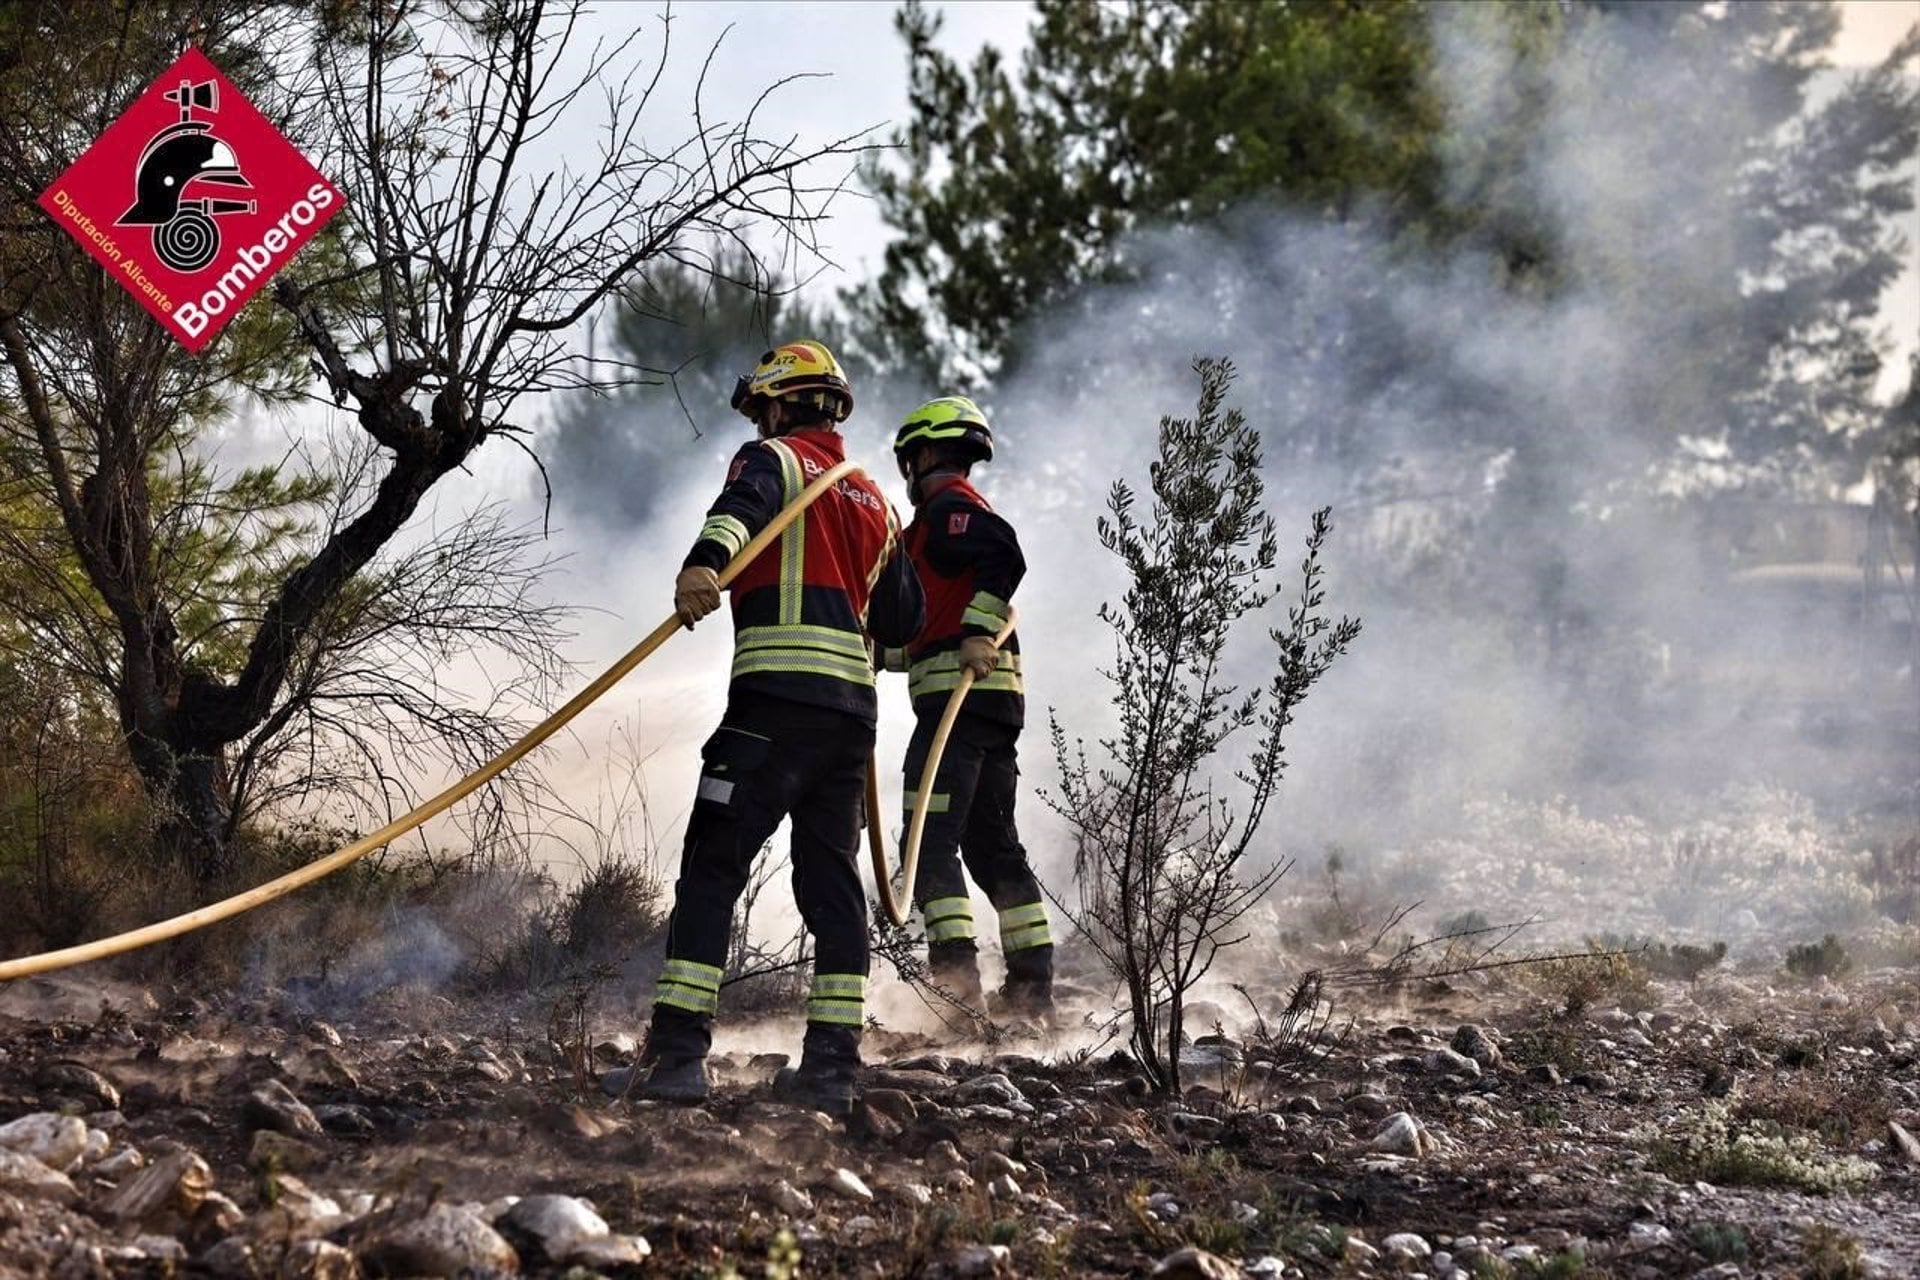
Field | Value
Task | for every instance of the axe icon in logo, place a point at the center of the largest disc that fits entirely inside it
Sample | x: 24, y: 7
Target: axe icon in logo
x: 178, y: 157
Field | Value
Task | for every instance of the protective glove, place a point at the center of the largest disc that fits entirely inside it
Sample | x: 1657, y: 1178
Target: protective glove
x: 696, y: 593
x: 978, y: 655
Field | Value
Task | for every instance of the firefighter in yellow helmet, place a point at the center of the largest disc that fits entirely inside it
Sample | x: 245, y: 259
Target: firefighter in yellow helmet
x: 798, y: 729
x: 969, y: 564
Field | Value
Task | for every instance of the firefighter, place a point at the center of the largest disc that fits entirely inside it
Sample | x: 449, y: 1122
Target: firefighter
x: 969, y: 564
x: 798, y: 729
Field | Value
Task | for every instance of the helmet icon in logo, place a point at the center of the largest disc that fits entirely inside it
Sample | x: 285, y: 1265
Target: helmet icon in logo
x: 180, y: 156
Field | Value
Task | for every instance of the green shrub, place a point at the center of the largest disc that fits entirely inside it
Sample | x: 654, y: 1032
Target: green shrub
x: 1681, y: 960
x: 1709, y: 1145
x: 1719, y: 1242
x: 1823, y: 959
x: 1828, y: 1253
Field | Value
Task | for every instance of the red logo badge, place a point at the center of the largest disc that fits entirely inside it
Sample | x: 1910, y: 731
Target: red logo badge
x: 957, y: 523
x: 191, y: 200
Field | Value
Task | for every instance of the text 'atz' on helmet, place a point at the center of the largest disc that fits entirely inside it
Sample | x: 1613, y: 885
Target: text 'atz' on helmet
x: 800, y: 373
x: 950, y: 420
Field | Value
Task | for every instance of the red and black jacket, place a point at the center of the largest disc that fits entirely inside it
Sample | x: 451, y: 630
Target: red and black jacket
x: 969, y: 564
x: 803, y: 608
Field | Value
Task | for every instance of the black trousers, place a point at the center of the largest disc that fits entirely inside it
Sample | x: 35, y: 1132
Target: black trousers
x: 771, y: 759
x: 970, y: 819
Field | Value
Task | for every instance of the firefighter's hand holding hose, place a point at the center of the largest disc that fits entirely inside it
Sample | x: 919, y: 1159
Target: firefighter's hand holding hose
x: 696, y: 593
x: 980, y: 655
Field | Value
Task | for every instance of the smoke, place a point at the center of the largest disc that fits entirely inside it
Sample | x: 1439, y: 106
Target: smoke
x: 1542, y: 619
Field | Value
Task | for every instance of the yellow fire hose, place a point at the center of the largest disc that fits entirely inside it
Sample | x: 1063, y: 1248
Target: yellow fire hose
x: 134, y: 939
x: 897, y: 907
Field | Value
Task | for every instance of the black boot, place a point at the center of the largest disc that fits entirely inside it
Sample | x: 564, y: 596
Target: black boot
x: 955, y: 967
x: 673, y: 1064
x: 682, y: 1080
x: 1028, y: 992
x: 829, y: 1060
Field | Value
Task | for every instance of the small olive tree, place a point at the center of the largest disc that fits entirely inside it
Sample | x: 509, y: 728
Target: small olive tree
x: 1162, y: 837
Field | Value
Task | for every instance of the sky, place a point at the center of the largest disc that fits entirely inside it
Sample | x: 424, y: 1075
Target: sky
x: 852, y: 42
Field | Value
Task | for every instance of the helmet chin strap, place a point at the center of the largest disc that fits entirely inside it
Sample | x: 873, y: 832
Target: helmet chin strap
x: 764, y: 424
x: 916, y: 485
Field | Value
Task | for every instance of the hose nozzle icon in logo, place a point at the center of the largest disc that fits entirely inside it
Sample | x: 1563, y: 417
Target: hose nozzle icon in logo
x: 180, y: 155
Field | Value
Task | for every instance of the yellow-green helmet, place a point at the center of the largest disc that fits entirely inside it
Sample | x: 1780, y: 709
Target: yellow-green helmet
x: 950, y: 420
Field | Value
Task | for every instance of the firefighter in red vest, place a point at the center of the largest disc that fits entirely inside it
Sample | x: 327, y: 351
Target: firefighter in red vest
x: 798, y: 729
x: 969, y: 564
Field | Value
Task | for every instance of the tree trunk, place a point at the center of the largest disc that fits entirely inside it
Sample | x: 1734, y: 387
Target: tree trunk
x: 194, y: 832
x: 188, y: 785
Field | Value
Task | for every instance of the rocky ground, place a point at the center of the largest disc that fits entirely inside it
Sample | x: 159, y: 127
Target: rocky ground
x: 1522, y: 1122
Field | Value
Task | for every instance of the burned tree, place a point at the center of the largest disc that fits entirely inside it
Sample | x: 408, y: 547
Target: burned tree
x: 1162, y: 838
x: 441, y: 302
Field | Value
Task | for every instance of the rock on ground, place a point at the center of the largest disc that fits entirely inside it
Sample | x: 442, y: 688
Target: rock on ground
x: 81, y: 1082
x: 175, y: 1185
x: 23, y: 1176
x: 610, y: 1251
x: 555, y: 1223
x: 56, y: 1141
x: 445, y: 1240
x: 274, y: 1106
x: 1402, y: 1135
x: 1192, y: 1263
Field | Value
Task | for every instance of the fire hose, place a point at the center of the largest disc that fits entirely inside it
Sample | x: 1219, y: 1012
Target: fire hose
x: 319, y: 869
x: 897, y: 907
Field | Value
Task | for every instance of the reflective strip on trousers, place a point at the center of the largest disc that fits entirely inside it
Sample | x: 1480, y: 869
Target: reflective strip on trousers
x: 839, y: 998
x: 937, y: 801
x: 689, y: 985
x: 1025, y: 926
x: 948, y: 919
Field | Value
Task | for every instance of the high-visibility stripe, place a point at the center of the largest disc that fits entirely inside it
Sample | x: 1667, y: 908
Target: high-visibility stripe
x: 998, y: 682
x: 949, y: 660
x: 838, y: 998
x: 948, y: 919
x: 1025, y: 926
x: 987, y: 602
x: 985, y: 610
x: 803, y: 636
x: 936, y: 801
x: 726, y: 530
x: 802, y: 660
x: 802, y: 664
x: 1027, y: 913
x: 690, y: 985
x: 675, y: 996
x: 1024, y: 939
x: 941, y: 673
x: 950, y: 930
x: 793, y: 542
